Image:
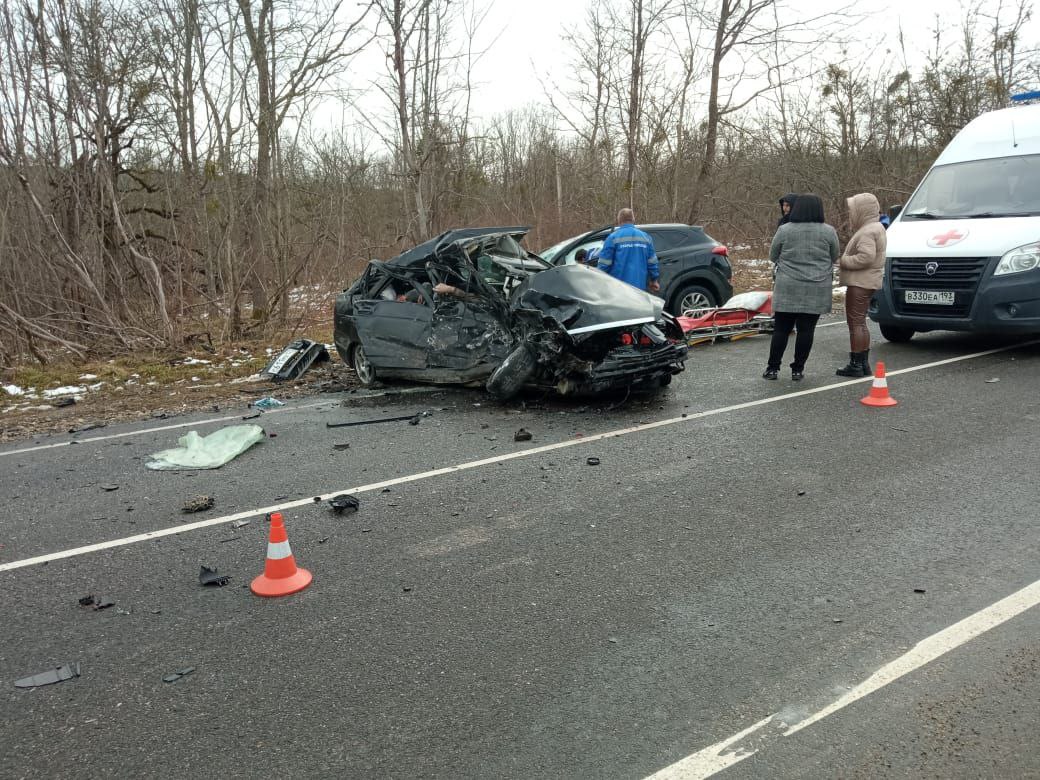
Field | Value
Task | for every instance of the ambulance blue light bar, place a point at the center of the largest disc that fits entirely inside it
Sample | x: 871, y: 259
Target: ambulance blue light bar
x: 1025, y: 97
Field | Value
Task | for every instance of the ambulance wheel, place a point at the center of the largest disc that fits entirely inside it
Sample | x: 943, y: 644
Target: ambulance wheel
x: 896, y: 334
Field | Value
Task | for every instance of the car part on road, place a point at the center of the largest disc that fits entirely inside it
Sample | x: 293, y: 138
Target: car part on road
x: 211, y: 579
x: 90, y: 602
x: 179, y: 674
x: 109, y: 488
x: 88, y: 427
x: 240, y: 523
x: 293, y: 361
x: 207, y: 452
x: 522, y: 435
x: 593, y: 461
x: 413, y: 419
x: 267, y: 403
x: 198, y: 504
x: 344, y: 503
x: 341, y: 447
x: 56, y: 675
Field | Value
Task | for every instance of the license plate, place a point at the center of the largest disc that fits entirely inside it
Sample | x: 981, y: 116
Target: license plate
x: 935, y: 297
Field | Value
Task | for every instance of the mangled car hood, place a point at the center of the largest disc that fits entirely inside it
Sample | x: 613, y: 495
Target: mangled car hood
x: 419, y: 256
x: 584, y: 300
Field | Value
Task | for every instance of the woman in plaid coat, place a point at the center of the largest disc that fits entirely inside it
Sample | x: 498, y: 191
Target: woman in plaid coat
x: 804, y: 251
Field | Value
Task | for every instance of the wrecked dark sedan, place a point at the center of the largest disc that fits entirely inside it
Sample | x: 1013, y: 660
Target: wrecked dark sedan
x: 472, y: 306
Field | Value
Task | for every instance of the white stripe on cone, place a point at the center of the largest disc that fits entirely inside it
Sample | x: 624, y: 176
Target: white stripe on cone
x: 278, y: 550
x: 880, y: 382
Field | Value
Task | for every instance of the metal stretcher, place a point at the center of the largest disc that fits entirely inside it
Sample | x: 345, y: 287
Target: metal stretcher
x: 747, y: 314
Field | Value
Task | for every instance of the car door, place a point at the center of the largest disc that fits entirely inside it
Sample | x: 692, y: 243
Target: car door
x: 395, y: 334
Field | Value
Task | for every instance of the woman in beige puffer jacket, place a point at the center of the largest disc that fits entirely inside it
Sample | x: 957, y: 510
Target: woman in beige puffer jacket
x: 862, y: 270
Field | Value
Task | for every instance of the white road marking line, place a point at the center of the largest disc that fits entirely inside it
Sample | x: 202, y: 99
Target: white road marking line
x: 208, y: 421
x: 211, y: 420
x: 474, y: 464
x: 715, y: 758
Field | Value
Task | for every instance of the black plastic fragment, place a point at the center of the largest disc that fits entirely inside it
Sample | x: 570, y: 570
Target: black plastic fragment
x: 593, y: 461
x: 95, y: 603
x: 210, y: 578
x: 522, y: 435
x: 251, y: 416
x: 67, y: 400
x: 341, y: 446
x: 56, y: 675
x: 344, y: 503
x: 175, y: 676
x: 413, y: 419
x: 109, y: 488
x: 89, y: 427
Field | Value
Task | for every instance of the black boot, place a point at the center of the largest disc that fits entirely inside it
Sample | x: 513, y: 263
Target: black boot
x: 865, y: 362
x: 856, y: 367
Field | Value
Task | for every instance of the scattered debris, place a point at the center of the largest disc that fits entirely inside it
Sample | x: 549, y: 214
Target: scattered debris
x: 198, y: 504
x: 413, y: 419
x: 593, y: 461
x: 109, y: 488
x: 67, y: 400
x: 838, y: 620
x: 919, y: 590
x: 295, y: 360
x: 992, y: 381
x: 210, y: 578
x: 522, y: 435
x: 55, y: 675
x: 613, y: 640
x: 407, y: 588
x: 250, y: 416
x: 90, y: 602
x: 173, y: 677
x: 344, y: 503
x: 801, y: 492
x: 323, y: 540
x: 88, y: 427
x: 207, y: 452
x: 267, y: 403
x: 240, y: 523
x: 341, y: 446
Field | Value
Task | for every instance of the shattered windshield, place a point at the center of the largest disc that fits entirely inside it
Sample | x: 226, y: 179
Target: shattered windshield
x: 1001, y: 187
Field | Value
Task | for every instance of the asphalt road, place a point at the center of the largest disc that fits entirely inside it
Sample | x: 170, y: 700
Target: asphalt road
x: 746, y: 557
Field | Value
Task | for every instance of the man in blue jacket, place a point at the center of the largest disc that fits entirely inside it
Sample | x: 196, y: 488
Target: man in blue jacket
x: 628, y: 254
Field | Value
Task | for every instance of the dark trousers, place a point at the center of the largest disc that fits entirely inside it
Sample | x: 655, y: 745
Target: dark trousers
x: 783, y: 323
x: 857, y: 301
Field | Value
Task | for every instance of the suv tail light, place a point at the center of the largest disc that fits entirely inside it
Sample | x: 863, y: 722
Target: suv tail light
x: 626, y: 339
x: 720, y: 250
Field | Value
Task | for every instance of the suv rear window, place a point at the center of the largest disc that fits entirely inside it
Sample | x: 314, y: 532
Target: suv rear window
x: 670, y: 239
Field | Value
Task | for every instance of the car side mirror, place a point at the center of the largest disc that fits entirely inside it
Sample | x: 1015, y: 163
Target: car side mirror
x: 894, y: 211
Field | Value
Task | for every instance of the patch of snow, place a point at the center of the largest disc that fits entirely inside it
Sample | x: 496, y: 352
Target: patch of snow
x: 270, y: 351
x: 151, y: 384
x: 195, y: 362
x: 88, y: 376
x: 194, y: 379
x: 13, y: 390
x: 96, y: 386
x: 839, y: 292
x: 56, y: 392
x: 740, y: 247
x: 251, y: 378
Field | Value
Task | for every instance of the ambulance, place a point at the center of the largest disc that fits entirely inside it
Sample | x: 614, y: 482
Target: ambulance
x: 964, y: 252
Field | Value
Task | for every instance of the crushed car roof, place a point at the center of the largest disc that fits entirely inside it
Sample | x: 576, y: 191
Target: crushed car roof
x: 418, y: 256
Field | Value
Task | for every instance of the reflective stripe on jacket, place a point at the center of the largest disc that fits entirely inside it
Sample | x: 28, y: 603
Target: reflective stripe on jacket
x: 628, y: 254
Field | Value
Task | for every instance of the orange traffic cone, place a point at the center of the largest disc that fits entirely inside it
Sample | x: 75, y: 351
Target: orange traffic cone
x: 281, y: 576
x: 878, y: 395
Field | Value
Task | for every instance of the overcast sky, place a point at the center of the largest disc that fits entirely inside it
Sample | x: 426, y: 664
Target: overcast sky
x: 530, y: 44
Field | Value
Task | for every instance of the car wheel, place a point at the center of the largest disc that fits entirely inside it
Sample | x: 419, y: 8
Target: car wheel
x: 665, y: 380
x: 508, y: 379
x: 366, y: 373
x: 693, y: 296
x: 896, y: 334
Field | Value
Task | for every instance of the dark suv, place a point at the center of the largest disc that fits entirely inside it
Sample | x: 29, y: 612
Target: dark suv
x: 695, y: 269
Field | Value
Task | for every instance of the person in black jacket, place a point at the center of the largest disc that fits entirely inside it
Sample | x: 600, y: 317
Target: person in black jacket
x: 786, y: 204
